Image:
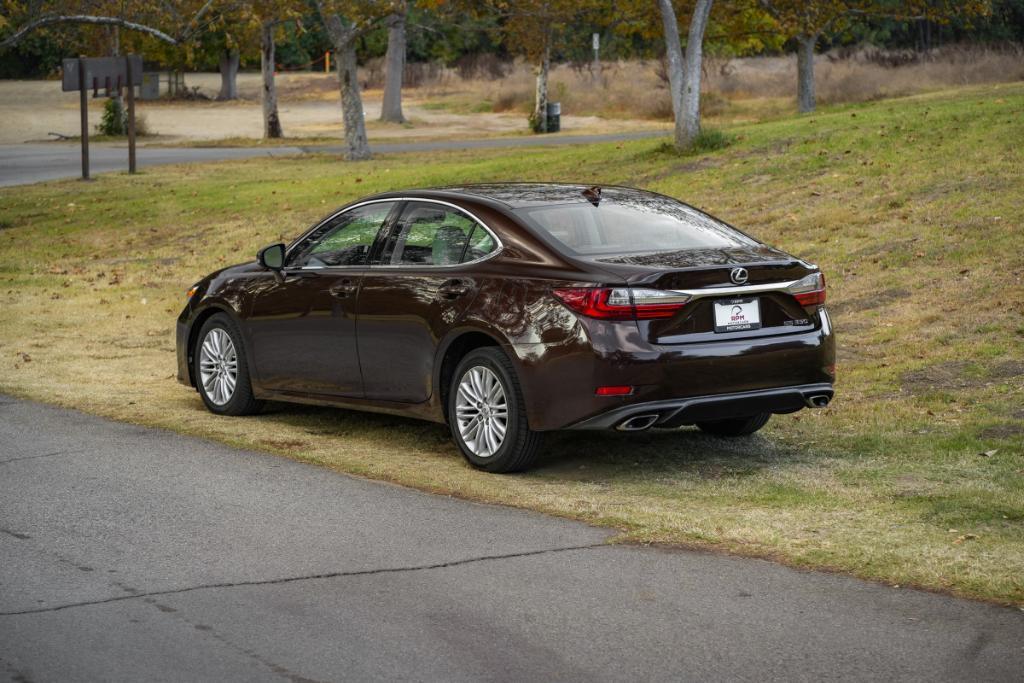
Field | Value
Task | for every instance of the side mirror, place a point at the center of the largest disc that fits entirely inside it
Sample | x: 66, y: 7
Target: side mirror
x: 271, y: 257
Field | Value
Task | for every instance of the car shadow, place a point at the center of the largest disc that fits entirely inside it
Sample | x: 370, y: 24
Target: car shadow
x: 568, y: 455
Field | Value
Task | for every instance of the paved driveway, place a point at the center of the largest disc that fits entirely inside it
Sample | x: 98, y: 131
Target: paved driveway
x: 136, y: 554
x: 33, y: 163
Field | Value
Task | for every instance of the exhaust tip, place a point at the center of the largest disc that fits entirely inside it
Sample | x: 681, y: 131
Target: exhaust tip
x: 638, y: 423
x: 818, y: 400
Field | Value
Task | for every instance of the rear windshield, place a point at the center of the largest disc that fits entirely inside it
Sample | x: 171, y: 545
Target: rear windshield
x: 633, y: 227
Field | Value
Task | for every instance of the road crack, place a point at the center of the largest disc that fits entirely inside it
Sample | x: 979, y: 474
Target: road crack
x: 308, y: 577
x: 41, y: 455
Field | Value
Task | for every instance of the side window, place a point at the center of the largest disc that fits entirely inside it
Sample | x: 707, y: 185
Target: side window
x: 480, y: 244
x: 345, y: 240
x: 433, y: 234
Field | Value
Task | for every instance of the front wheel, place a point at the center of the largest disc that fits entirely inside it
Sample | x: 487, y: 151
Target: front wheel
x: 221, y: 373
x: 737, y: 426
x: 487, y: 413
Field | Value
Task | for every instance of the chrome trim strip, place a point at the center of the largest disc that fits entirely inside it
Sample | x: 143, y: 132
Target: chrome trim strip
x: 737, y: 291
x: 476, y: 219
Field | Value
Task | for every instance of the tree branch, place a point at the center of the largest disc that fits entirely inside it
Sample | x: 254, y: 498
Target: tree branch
x: 50, y: 19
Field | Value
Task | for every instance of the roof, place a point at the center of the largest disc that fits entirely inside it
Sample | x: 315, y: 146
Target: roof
x: 522, y: 195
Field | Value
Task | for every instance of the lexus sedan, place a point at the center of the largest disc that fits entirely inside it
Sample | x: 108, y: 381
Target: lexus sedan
x: 511, y: 310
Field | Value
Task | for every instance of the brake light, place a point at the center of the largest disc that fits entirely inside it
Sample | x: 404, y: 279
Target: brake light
x: 810, y: 290
x: 622, y: 303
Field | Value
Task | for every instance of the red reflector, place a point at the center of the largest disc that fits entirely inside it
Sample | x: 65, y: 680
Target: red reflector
x: 614, y: 391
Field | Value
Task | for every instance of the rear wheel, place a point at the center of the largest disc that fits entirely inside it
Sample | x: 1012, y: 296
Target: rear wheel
x: 222, y: 376
x: 736, y: 426
x: 487, y: 413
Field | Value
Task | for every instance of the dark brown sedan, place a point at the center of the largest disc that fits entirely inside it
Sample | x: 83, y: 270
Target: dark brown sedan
x: 510, y: 310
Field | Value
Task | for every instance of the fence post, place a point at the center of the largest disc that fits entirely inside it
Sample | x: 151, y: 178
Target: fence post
x: 83, y: 100
x: 130, y: 77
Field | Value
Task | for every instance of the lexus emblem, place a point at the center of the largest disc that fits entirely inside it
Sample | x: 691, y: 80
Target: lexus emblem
x: 738, y: 276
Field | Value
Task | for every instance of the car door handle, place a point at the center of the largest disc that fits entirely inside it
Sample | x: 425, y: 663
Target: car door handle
x: 453, y: 289
x: 344, y: 288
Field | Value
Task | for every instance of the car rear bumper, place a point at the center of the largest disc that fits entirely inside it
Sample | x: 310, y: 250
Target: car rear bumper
x: 686, y: 411
x: 685, y: 383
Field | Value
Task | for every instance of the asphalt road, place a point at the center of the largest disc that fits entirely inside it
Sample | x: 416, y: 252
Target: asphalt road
x: 33, y: 163
x: 25, y: 164
x: 135, y: 554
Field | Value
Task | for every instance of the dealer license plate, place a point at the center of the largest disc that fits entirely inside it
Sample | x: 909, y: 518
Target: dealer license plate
x: 734, y: 315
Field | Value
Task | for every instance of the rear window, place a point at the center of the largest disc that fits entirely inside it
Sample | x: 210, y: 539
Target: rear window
x: 635, y: 227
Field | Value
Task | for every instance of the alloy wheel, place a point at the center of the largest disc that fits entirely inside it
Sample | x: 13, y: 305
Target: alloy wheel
x: 218, y: 366
x: 481, y: 410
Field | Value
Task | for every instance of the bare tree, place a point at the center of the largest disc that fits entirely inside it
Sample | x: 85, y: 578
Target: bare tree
x: 684, y: 78
x: 391, y: 108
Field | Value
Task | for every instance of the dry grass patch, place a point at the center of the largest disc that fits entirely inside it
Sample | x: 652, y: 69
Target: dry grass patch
x: 914, y: 475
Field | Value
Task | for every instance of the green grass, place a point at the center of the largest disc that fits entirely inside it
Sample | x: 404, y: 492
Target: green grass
x: 913, y: 207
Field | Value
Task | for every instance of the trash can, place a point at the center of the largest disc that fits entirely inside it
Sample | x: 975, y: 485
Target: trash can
x: 554, y: 117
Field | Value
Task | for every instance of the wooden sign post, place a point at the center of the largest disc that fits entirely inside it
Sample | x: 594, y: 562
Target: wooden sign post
x: 111, y: 73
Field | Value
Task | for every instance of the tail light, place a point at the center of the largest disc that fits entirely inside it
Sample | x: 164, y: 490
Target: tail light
x: 622, y: 303
x: 810, y: 290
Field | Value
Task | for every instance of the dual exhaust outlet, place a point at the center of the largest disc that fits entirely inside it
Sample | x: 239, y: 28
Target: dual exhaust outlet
x: 817, y: 400
x: 638, y: 423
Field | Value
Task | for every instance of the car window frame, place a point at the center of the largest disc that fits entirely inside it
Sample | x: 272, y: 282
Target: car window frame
x: 375, y: 246
x: 397, y: 225
x: 392, y: 223
x: 401, y: 228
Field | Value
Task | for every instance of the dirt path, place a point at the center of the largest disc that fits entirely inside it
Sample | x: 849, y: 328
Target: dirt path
x: 308, y: 106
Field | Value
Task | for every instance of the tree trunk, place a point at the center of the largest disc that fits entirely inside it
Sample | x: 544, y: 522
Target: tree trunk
x: 391, y: 109
x: 352, y: 113
x: 805, y: 73
x: 228, y: 75
x: 344, y: 37
x: 271, y: 121
x: 674, y: 56
x: 690, y: 98
x: 540, y: 108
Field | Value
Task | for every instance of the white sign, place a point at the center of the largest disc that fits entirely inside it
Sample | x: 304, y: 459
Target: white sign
x: 597, y: 42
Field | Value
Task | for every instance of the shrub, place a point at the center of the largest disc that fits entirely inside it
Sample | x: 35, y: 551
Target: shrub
x: 114, y: 120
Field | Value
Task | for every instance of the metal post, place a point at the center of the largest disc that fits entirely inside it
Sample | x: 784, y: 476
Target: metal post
x: 131, y: 113
x: 84, y: 102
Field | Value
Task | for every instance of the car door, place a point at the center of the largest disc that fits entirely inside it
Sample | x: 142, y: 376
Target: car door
x: 422, y: 287
x: 302, y: 323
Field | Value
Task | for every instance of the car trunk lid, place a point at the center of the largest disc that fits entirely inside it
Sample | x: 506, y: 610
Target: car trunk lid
x: 728, y: 276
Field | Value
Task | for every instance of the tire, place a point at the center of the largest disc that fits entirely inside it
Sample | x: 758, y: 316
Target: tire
x: 519, y: 446
x: 240, y: 399
x: 736, y: 426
